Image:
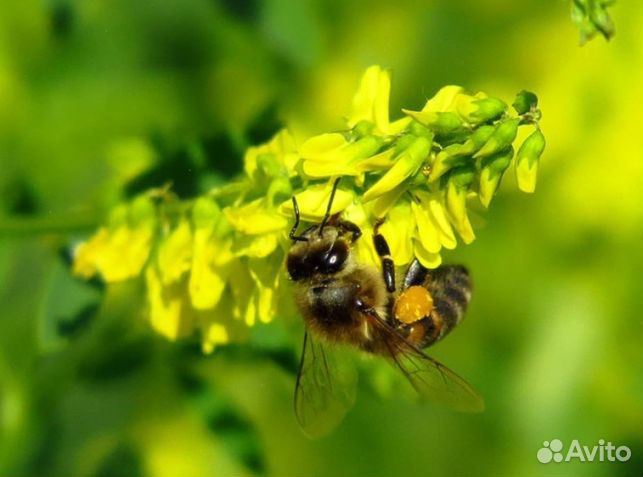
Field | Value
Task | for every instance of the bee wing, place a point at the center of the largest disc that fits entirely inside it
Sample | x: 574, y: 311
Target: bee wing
x: 325, y: 389
x: 430, y: 378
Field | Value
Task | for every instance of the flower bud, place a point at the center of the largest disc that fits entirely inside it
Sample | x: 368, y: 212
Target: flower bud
x: 441, y: 123
x: 443, y: 100
x: 527, y: 161
x: 501, y: 138
x: 142, y: 212
x: 477, y: 139
x: 363, y: 128
x: 479, y: 108
x: 447, y: 159
x: 407, y: 164
x: 205, y: 213
x: 459, y: 182
x: 492, y: 169
x: 525, y: 101
x: 329, y: 155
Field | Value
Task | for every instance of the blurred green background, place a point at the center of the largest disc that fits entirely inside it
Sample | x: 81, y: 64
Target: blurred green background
x: 100, y: 100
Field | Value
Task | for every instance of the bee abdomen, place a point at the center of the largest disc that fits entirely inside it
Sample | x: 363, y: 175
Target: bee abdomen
x: 450, y: 289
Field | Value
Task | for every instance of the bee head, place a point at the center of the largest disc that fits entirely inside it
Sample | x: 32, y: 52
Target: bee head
x: 324, y: 254
x: 321, y: 248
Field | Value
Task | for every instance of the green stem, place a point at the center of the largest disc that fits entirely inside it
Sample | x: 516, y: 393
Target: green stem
x: 41, y: 225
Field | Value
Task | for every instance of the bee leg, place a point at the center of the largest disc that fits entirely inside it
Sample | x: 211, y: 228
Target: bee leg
x: 415, y: 275
x: 352, y: 228
x: 382, y: 249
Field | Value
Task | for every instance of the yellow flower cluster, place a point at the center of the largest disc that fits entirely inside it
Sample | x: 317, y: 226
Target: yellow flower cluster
x: 215, y: 264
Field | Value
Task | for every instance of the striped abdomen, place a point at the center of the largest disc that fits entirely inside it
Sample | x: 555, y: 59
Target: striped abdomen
x: 449, y: 287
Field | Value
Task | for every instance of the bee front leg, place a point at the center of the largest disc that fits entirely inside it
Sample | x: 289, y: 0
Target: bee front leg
x: 352, y: 228
x: 382, y: 249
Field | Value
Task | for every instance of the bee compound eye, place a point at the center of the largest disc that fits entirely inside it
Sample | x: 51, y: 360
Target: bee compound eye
x: 297, y: 267
x: 334, y: 260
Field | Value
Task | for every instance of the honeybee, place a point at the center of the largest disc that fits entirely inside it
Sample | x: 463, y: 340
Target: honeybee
x: 344, y: 302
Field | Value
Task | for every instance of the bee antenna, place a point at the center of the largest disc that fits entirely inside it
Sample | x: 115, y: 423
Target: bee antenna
x: 293, y: 231
x: 329, y: 207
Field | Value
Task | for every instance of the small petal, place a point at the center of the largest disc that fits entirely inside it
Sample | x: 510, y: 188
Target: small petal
x: 313, y: 202
x: 445, y: 160
x: 364, y: 248
x: 371, y: 100
x: 331, y: 155
x: 207, y: 278
x: 210, y: 256
x: 382, y: 205
x: 426, y: 258
x: 242, y: 287
x: 383, y: 160
x: 323, y: 147
x: 433, y: 204
x: 492, y: 169
x: 442, y: 123
x: 427, y: 233
x: 281, y: 150
x: 527, y: 161
x: 444, y: 100
x: 215, y: 334
x: 479, y: 108
x: 174, y: 255
x: 501, y: 138
x: 120, y: 251
x: 398, y: 231
x: 460, y: 180
x: 168, y: 306
x: 255, y: 218
x: 255, y: 245
x: 86, y: 254
x: 266, y: 273
x: 406, y: 164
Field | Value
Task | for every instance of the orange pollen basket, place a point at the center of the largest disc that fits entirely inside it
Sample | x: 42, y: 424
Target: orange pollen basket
x: 413, y: 304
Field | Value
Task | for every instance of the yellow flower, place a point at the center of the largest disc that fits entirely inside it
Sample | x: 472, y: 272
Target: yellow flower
x: 217, y: 262
x: 277, y: 156
x: 431, y: 204
x: 398, y: 231
x: 218, y: 326
x: 120, y: 250
x: 266, y: 274
x: 443, y: 101
x: 169, y: 306
x: 332, y: 155
x: 456, y: 197
x: 406, y: 165
x: 211, y: 254
x: 364, y: 248
x: 370, y: 103
x: 174, y: 255
x: 259, y: 225
x: 215, y: 334
x: 255, y: 218
x: 313, y: 202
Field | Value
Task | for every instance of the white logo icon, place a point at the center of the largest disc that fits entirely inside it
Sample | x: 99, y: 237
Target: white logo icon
x: 550, y: 451
x: 553, y: 451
